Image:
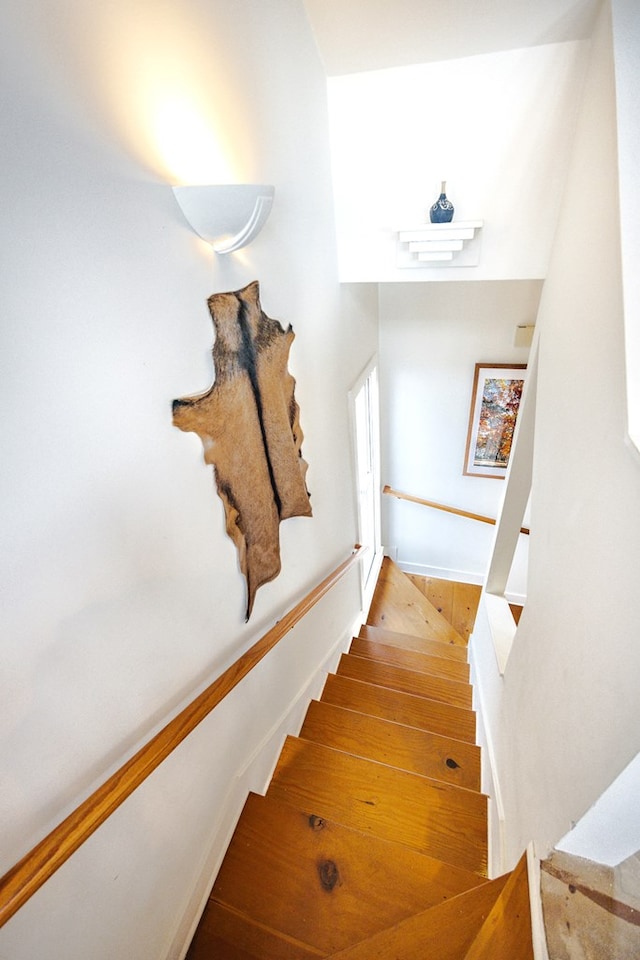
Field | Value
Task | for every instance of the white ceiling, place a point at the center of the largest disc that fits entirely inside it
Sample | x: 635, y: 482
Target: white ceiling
x: 360, y: 35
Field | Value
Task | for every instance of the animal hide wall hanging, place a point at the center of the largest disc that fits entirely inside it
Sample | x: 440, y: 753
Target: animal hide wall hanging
x: 250, y: 428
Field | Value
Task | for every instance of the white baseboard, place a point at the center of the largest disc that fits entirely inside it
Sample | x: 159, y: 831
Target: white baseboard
x: 460, y: 576
x: 538, y: 932
x: 440, y: 573
x: 518, y: 598
x: 496, y: 825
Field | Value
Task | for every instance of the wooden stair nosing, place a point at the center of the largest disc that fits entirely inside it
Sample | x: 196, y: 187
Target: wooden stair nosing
x: 408, y: 681
x: 440, y: 819
x: 399, y: 605
x: 410, y: 659
x: 324, y: 884
x: 440, y: 933
x: 433, y: 715
x: 506, y: 932
x: 226, y: 933
x: 398, y: 745
x: 409, y: 641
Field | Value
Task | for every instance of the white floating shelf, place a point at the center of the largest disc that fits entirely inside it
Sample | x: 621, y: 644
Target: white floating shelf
x: 437, y: 243
x: 435, y: 246
x: 443, y: 256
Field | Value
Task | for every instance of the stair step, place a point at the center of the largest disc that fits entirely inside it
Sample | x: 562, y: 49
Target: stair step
x: 405, y: 708
x: 458, y: 602
x: 224, y: 934
x: 322, y: 883
x: 407, y: 748
x: 506, y: 932
x: 408, y: 641
x: 371, y: 841
x: 410, y: 659
x: 444, y: 932
x: 408, y: 681
x: 399, y: 605
x: 439, y: 819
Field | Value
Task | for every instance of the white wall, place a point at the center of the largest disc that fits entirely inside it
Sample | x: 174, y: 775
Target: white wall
x: 626, y: 41
x: 565, y: 721
x: 121, y: 591
x: 431, y: 337
x: 369, y: 36
x: 609, y: 832
x: 497, y: 128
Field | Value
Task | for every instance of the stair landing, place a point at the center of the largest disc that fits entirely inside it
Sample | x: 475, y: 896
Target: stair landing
x: 400, y: 606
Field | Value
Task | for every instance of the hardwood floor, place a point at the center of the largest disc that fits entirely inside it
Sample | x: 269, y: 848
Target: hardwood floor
x: 458, y: 602
x: 395, y: 607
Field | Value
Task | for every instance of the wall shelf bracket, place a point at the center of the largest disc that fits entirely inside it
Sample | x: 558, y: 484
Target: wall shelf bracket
x: 439, y: 244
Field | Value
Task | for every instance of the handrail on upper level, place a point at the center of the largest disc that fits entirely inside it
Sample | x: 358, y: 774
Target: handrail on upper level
x: 441, y: 506
x: 35, y: 868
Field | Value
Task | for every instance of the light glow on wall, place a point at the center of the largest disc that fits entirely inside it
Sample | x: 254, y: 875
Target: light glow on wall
x: 178, y: 115
x: 186, y: 141
x: 164, y: 85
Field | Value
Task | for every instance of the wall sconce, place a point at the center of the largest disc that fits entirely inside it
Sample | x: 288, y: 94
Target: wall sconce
x: 228, y: 216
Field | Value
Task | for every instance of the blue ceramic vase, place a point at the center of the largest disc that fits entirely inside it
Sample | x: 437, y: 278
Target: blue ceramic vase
x: 442, y: 210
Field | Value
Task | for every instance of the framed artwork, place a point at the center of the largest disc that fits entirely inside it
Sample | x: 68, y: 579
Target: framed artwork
x: 495, y: 401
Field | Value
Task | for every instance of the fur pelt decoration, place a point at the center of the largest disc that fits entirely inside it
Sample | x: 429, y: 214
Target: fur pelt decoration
x: 250, y: 428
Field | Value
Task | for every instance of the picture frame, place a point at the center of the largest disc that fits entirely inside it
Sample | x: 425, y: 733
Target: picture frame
x: 495, y: 402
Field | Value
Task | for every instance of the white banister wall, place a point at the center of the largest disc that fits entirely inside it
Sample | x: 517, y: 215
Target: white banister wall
x: 626, y: 41
x: 514, y: 504
x: 517, y: 486
x: 609, y: 832
x: 563, y: 721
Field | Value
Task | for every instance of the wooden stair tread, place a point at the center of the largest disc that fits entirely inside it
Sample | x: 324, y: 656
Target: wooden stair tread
x: 409, y: 748
x: 440, y: 819
x: 399, y: 605
x: 456, y: 601
x: 405, y: 708
x: 444, y: 932
x: 409, y: 641
x: 506, y: 932
x: 225, y: 934
x: 411, y: 659
x: 408, y: 681
x: 322, y: 883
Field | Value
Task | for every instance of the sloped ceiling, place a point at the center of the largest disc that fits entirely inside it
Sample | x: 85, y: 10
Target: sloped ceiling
x: 361, y: 35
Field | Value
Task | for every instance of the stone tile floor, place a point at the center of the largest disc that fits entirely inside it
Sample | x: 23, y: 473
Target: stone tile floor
x: 591, y: 912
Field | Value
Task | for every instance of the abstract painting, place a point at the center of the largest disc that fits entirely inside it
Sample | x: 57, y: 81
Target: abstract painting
x: 495, y: 401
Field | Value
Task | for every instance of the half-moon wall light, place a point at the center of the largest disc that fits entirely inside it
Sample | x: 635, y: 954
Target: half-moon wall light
x: 228, y: 216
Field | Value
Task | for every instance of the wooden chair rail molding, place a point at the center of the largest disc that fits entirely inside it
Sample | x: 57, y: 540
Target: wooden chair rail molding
x: 35, y: 868
x: 441, y: 506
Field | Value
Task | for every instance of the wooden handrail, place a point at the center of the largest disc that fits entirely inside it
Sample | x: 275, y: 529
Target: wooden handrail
x: 35, y: 868
x: 441, y: 506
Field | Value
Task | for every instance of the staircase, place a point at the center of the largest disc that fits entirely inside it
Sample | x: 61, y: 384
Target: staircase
x: 371, y: 840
